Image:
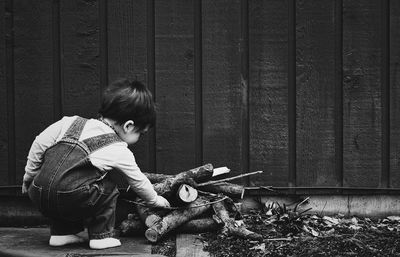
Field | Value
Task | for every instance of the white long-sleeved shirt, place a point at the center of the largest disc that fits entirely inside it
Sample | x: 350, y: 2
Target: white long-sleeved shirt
x: 115, y: 156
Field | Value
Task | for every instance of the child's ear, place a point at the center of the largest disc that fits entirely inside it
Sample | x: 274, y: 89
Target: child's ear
x: 129, y: 126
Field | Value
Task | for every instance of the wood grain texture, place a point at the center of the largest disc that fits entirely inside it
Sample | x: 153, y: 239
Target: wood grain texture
x: 4, y: 169
x: 269, y: 91
x: 394, y: 93
x: 222, y: 92
x: 362, y: 93
x: 127, y: 56
x: 174, y: 52
x: 80, y: 67
x: 315, y: 96
x: 33, y: 75
x: 189, y: 245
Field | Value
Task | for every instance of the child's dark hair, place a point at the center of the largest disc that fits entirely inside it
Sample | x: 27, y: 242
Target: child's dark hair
x: 125, y: 100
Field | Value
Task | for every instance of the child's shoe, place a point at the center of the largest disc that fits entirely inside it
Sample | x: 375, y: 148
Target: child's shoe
x: 104, y: 243
x: 65, y: 240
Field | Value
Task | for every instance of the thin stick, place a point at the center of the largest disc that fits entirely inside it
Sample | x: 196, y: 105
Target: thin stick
x: 227, y: 179
x: 183, y: 207
x: 279, y: 239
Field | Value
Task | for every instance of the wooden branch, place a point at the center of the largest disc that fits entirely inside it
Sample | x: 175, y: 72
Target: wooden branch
x: 132, y: 227
x: 156, y: 177
x: 177, y: 218
x: 149, y: 215
x: 231, y: 227
x: 228, y: 179
x: 228, y: 189
x: 169, y: 186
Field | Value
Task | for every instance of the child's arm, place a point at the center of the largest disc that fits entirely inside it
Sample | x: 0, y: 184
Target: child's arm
x: 118, y: 156
x: 41, y: 143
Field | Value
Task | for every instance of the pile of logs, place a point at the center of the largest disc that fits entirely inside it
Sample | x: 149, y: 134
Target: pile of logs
x: 200, y: 204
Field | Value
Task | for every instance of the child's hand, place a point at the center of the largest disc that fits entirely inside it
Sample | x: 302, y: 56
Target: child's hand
x: 161, y: 202
x: 25, y: 186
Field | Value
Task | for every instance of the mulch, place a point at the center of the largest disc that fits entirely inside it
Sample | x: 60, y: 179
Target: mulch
x: 290, y: 233
x: 287, y: 231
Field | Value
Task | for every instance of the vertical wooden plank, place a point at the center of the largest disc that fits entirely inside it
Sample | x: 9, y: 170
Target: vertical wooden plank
x: 394, y: 93
x: 33, y: 75
x: 80, y: 57
x: 198, y: 81
x: 174, y: 43
x: 127, y: 40
x: 362, y: 93
x: 103, y: 44
x: 339, y: 91
x: 127, y: 56
x: 292, y: 93
x: 4, y: 169
x: 269, y: 91
x: 151, y: 75
x: 384, y: 181
x: 244, y: 80
x: 222, y: 92
x: 57, y: 95
x: 315, y: 96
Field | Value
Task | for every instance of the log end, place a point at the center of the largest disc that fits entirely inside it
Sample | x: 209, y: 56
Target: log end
x: 187, y: 194
x: 151, y: 235
x: 152, y: 219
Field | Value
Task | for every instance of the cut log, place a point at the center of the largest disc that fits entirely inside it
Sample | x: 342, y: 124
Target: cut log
x: 149, y: 215
x: 170, y: 185
x: 228, y: 189
x: 200, y: 226
x: 132, y: 227
x: 231, y: 227
x: 156, y: 177
x: 186, y: 194
x: 176, y: 218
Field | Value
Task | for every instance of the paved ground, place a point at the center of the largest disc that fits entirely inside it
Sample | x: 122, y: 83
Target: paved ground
x: 33, y: 242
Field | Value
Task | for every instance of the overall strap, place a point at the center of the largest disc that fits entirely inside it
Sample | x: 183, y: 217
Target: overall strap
x: 75, y: 130
x: 100, y: 141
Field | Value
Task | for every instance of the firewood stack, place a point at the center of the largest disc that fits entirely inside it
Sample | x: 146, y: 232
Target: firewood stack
x: 200, y: 204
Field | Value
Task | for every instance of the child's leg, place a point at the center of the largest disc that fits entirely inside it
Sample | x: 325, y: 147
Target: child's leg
x: 64, y: 232
x: 101, y: 225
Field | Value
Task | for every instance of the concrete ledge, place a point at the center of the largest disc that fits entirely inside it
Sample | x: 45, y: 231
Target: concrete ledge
x: 350, y: 205
x: 18, y: 210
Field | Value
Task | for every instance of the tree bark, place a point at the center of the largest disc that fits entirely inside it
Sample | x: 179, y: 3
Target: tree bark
x: 176, y: 218
x: 149, y: 215
x: 169, y: 186
x: 134, y: 227
x: 228, y: 189
x: 156, y: 177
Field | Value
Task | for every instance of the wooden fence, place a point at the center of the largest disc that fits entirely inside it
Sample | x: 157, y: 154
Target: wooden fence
x: 306, y: 90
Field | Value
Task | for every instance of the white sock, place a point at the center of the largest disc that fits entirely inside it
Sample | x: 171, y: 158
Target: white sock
x: 104, y: 243
x: 65, y: 239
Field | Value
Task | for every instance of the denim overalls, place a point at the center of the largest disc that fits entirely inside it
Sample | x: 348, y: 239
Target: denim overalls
x: 73, y: 193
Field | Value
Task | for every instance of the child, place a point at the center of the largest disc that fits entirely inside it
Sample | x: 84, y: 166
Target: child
x: 66, y: 172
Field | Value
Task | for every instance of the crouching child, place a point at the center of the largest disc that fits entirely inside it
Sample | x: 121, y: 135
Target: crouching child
x: 66, y: 171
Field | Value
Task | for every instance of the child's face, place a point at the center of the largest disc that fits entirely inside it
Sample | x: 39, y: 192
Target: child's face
x: 130, y: 134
